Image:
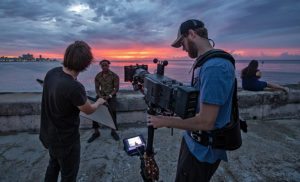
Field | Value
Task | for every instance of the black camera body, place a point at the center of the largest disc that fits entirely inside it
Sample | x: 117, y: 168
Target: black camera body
x: 131, y: 70
x: 136, y: 74
x: 162, y: 92
x: 170, y: 95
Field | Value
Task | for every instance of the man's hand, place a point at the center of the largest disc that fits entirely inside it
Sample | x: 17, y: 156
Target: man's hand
x: 89, y: 108
x: 156, y: 121
x: 99, y: 96
x: 106, y: 98
x: 103, y: 97
x: 100, y: 101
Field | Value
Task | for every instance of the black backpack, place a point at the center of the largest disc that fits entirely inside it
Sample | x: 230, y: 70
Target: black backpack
x: 228, y: 137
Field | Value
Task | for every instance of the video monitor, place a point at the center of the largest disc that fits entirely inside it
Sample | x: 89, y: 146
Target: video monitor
x: 133, y: 143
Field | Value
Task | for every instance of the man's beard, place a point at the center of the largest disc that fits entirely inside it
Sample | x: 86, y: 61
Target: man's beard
x: 192, y: 49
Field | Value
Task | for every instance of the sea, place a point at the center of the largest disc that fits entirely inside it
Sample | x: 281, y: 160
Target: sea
x: 21, y: 76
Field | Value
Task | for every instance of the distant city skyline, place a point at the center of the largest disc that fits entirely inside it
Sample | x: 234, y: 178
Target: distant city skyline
x: 24, y: 58
x: 137, y: 30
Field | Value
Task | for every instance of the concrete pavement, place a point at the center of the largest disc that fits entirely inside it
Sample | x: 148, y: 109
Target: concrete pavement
x: 270, y: 152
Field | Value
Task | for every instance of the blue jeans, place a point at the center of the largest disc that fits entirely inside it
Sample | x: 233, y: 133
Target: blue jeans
x: 63, y: 159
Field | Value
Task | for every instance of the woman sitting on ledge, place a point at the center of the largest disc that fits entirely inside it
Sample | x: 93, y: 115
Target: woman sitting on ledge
x: 250, y: 76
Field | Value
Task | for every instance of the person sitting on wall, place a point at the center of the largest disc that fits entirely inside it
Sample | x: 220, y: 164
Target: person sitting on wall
x: 250, y: 79
x: 106, y: 87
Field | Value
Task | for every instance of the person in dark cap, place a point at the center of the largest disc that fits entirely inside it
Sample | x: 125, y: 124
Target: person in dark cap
x: 106, y: 87
x: 215, y: 80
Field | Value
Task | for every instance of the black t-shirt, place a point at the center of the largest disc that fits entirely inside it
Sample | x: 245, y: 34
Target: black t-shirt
x: 59, y: 112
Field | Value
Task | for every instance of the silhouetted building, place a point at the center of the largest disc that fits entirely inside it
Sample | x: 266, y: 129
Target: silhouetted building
x: 28, y: 57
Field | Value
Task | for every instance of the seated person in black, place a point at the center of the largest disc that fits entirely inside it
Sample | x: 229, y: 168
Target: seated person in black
x: 250, y: 76
x: 62, y: 100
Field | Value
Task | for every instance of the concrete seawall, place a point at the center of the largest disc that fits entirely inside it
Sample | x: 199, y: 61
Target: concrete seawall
x: 265, y: 105
x: 21, y: 111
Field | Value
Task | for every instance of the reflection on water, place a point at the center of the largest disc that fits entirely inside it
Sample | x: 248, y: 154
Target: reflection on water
x: 20, y: 77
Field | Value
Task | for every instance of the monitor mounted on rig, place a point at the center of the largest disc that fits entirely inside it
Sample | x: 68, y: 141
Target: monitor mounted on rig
x: 134, y: 145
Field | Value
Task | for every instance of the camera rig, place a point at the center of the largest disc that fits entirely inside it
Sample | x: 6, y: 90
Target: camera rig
x: 164, y: 96
x: 163, y: 93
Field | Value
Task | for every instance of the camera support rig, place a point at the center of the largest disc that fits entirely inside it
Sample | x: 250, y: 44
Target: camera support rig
x: 162, y: 95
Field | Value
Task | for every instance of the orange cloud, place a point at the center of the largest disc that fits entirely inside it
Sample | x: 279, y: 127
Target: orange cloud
x: 137, y: 53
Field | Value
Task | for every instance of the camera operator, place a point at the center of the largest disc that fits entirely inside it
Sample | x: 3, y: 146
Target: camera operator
x: 215, y: 81
x: 62, y: 100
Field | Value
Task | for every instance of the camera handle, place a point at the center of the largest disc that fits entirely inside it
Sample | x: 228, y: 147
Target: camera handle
x: 149, y: 147
x: 149, y: 168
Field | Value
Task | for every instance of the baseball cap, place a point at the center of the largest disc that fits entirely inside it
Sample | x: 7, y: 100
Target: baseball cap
x: 184, y: 28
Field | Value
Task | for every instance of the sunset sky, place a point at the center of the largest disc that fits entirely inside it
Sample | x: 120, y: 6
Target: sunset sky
x: 144, y: 29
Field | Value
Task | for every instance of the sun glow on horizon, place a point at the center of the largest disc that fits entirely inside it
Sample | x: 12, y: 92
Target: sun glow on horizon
x: 149, y: 53
x: 137, y: 53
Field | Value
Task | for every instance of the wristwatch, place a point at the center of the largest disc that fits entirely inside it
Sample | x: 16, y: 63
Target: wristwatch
x: 110, y: 96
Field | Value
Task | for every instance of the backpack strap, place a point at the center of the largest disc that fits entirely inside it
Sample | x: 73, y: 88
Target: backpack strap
x: 203, y: 137
x: 209, y: 55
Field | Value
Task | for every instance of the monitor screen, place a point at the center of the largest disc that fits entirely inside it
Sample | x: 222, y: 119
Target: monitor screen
x: 134, y: 145
x: 135, y: 141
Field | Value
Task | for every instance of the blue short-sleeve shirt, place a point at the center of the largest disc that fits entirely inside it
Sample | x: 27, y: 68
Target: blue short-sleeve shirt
x: 215, y: 80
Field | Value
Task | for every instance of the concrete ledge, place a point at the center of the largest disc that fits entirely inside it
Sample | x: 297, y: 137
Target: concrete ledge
x: 32, y: 122
x: 265, y: 105
x: 265, y: 112
x: 20, y: 104
x: 19, y: 123
x: 130, y: 101
x: 122, y: 118
x: 249, y: 98
x: 21, y: 111
x: 29, y: 103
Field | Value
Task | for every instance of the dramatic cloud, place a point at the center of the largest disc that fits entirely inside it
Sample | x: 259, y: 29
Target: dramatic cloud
x: 48, y: 26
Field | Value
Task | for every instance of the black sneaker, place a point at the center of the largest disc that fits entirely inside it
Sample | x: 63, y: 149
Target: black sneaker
x: 115, y: 136
x: 93, y: 137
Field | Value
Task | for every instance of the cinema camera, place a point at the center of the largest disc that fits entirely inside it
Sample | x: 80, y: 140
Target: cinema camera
x: 161, y: 92
x: 164, y: 96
